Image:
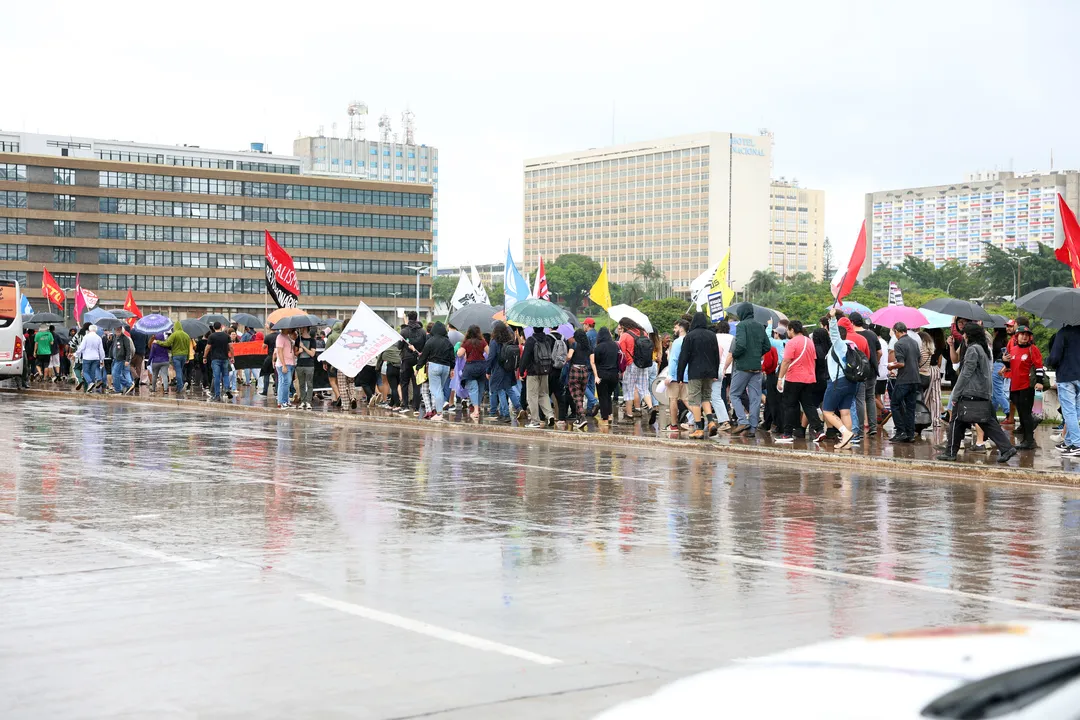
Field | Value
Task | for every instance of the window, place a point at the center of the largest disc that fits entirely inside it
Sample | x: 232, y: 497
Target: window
x: 63, y: 176
x: 64, y: 280
x: 64, y: 228
x: 373, y: 151
x: 64, y: 202
x: 12, y: 253
x: 386, y: 166
x: 9, y: 171
x: 386, y: 153
x: 412, y: 154
x: 12, y: 147
x: 254, y: 238
x: 397, y: 166
x: 12, y: 199
x: 63, y: 255
x: 12, y: 226
x: 398, y: 153
x: 19, y: 277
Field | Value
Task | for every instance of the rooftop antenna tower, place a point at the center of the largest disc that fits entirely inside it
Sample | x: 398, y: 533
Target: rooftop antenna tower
x: 384, y: 128
x: 357, y: 124
x: 408, y: 120
x: 766, y: 132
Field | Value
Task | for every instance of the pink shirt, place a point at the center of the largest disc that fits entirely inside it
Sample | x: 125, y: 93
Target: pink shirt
x: 288, y: 352
x: 800, y: 350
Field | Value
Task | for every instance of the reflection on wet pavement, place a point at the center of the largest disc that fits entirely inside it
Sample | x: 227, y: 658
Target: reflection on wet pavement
x: 171, y: 563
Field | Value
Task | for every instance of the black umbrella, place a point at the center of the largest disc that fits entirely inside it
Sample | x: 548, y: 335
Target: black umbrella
x: 1059, y: 304
x: 959, y: 308
x: 998, y: 320
x: 194, y: 328
x: 293, y: 322
x: 476, y: 314
x: 122, y: 314
x: 761, y: 314
x: 211, y: 319
x: 45, y: 317
x: 248, y: 321
x: 109, y: 323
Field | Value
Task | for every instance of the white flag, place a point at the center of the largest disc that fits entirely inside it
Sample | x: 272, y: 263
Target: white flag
x: 699, y: 289
x: 895, y: 296
x: 465, y: 294
x: 363, y: 339
x: 481, y: 293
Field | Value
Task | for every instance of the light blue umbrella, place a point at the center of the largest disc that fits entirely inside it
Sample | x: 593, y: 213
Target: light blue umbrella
x: 93, y: 316
x: 936, y: 319
x: 850, y: 306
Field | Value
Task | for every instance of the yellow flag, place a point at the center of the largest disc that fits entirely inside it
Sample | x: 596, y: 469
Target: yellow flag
x: 599, y: 293
x: 720, y: 284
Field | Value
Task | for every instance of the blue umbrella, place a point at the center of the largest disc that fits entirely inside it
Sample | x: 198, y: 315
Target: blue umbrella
x: 850, y: 306
x: 153, y: 324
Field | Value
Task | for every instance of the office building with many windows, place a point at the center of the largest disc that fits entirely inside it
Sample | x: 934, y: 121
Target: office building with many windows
x: 183, y: 228
x: 797, y: 229
x: 387, y: 161
x: 680, y: 202
x: 955, y: 222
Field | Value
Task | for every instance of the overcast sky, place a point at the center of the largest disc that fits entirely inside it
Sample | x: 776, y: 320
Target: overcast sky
x: 861, y: 96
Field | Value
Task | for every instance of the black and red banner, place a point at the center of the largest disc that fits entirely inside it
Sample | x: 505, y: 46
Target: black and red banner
x: 281, y: 281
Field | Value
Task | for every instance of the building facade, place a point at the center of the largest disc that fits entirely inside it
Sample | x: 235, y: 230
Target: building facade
x: 797, y: 229
x: 490, y: 273
x: 955, y: 221
x: 680, y: 202
x: 183, y: 228
x: 386, y: 161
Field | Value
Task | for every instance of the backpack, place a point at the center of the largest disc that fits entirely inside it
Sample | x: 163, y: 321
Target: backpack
x: 559, y: 353
x: 542, y: 359
x: 643, y: 352
x: 508, y: 358
x: 856, y: 367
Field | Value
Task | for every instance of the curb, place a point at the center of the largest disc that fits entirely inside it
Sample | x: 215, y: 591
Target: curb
x: 787, y: 457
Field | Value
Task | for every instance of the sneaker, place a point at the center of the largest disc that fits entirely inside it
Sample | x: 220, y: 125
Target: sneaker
x: 652, y: 416
x: 429, y: 415
x: 857, y: 440
x: 551, y: 422
x: 1007, y: 455
x: 739, y: 430
x: 946, y: 457
x: 228, y: 394
x: 581, y: 424
x: 845, y: 439
x: 687, y: 426
x: 784, y: 440
x: 1061, y: 445
x: 672, y: 428
x: 821, y: 437
x: 1071, y: 451
x: 534, y: 424
x: 724, y: 427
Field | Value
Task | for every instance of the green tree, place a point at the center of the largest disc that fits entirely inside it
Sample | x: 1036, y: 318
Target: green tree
x: 827, y: 267
x: 762, y: 282
x: 652, y: 278
x: 442, y: 288
x: 878, y: 281
x: 496, y: 295
x: 1037, y: 270
x: 663, y: 313
x: 569, y: 278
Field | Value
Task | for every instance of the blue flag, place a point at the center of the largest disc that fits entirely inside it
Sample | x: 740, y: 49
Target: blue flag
x: 515, y: 286
x: 24, y: 305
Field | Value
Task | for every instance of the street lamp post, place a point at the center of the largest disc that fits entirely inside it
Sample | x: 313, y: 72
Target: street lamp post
x: 419, y: 270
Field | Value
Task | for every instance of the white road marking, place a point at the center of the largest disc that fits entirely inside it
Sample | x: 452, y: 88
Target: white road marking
x: 148, y: 516
x: 152, y: 553
x: 423, y: 628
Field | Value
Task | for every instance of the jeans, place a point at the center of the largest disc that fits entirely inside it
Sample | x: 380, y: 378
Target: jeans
x: 750, y: 383
x: 159, y: 369
x: 717, y: 399
x: 91, y: 371
x: 865, y: 408
x: 473, y: 388
x: 284, y: 383
x: 539, y: 396
x: 121, y: 376
x: 178, y: 362
x: 590, y: 391
x: 251, y: 375
x: 653, y: 372
x: 903, y: 408
x: 231, y: 384
x: 1001, y: 394
x: 438, y: 379
x: 220, y: 370
x: 305, y: 376
x: 509, y: 399
x: 1069, y: 397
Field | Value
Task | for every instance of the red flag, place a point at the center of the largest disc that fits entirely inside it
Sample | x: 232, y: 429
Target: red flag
x: 540, y: 288
x: 845, y: 277
x: 281, y: 281
x: 1068, y: 251
x: 50, y: 290
x: 131, y: 307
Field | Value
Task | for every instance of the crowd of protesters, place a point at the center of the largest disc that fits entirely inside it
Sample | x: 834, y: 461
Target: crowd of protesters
x: 835, y: 383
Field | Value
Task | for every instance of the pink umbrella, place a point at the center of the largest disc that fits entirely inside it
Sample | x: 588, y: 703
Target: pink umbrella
x: 889, y: 316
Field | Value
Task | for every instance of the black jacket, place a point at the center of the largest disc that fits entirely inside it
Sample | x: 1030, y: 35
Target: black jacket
x: 528, y: 356
x: 412, y: 333
x: 700, y: 352
x: 437, y: 348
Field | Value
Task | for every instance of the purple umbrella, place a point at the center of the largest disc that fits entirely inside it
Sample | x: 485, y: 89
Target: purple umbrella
x: 153, y: 324
x: 566, y: 331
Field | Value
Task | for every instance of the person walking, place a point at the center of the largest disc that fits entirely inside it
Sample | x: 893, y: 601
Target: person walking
x: 579, y: 358
x: 751, y: 344
x: 637, y: 350
x: 795, y: 382
x: 699, y: 363
x: 178, y: 343
x: 122, y: 352
x: 836, y: 407
x: 342, y: 386
x: 538, y: 363
x: 216, y: 354
x: 972, y: 393
x: 677, y: 384
x: 906, y: 385
x: 141, y: 342
x: 1065, y: 359
x: 43, y: 343
x: 1024, y: 367
x: 285, y: 365
x: 503, y: 357
x: 605, y: 366
x: 305, y: 367
x: 91, y: 353
x: 159, y: 364
x: 391, y: 358
x: 269, y: 341
x: 865, y: 406
x: 414, y: 338
x: 438, y: 356
x: 473, y: 349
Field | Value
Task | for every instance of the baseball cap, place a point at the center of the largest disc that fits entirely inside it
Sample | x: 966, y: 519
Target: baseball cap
x: 589, y: 321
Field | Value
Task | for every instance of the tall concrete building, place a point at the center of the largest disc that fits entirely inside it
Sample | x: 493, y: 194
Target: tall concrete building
x: 183, y: 227
x: 797, y: 237
x: 680, y: 202
x: 385, y: 160
x: 954, y: 222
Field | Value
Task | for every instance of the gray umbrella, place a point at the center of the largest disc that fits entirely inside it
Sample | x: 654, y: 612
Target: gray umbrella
x: 998, y: 321
x: 293, y: 322
x: 248, y: 321
x: 211, y: 319
x: 761, y: 314
x: 45, y: 317
x: 106, y: 323
x: 959, y: 308
x: 476, y: 314
x: 194, y: 328
x: 122, y: 314
x: 1059, y: 304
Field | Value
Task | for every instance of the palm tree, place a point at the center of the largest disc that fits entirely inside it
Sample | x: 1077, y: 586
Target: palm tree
x: 650, y: 275
x: 762, y: 281
x: 630, y: 293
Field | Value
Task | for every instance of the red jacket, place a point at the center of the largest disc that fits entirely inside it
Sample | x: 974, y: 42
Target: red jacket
x: 1019, y: 368
x: 770, y: 361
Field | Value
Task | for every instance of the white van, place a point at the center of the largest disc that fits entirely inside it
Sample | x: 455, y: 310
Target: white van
x: 12, y: 352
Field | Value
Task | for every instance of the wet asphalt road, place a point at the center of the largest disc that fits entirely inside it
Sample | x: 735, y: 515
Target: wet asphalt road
x: 159, y: 563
